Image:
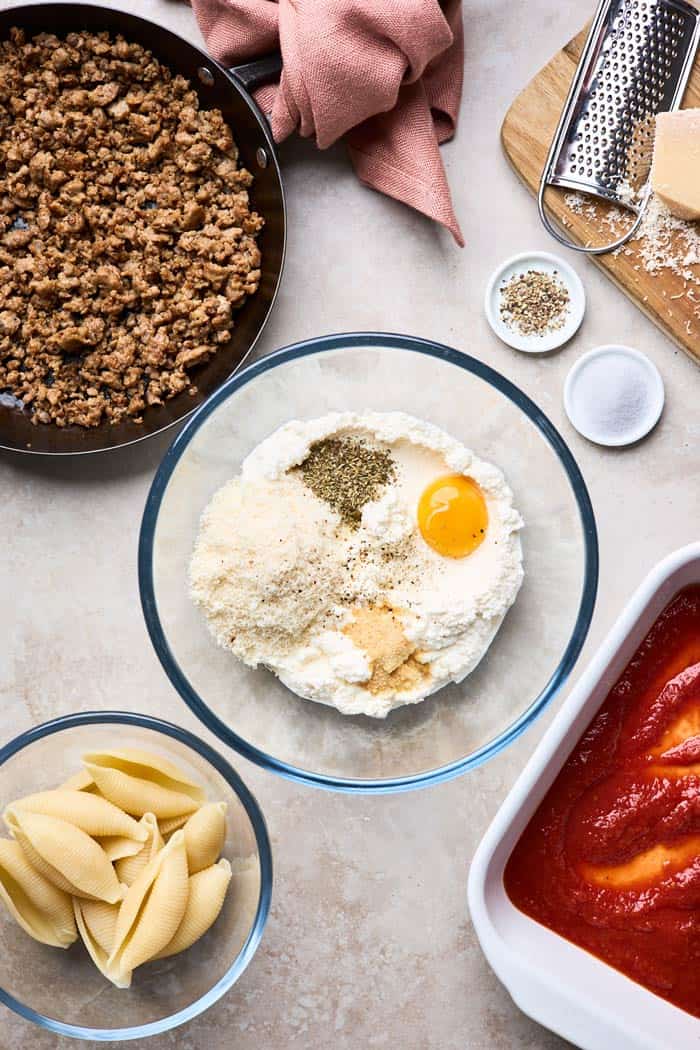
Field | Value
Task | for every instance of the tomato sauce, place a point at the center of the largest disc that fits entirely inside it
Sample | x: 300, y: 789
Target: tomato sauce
x: 611, y: 858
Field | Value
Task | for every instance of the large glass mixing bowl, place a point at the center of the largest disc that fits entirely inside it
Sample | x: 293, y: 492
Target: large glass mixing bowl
x: 532, y: 654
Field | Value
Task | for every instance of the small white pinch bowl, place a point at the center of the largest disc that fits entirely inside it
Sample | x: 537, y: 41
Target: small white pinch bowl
x: 547, y: 263
x: 598, y: 359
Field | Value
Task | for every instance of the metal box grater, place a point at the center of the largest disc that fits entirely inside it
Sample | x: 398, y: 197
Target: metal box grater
x: 635, y: 63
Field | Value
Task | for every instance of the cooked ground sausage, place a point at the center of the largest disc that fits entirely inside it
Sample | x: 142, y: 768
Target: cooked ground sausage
x: 127, y: 241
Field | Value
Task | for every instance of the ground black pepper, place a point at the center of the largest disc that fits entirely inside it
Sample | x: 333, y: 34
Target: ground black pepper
x: 534, y: 303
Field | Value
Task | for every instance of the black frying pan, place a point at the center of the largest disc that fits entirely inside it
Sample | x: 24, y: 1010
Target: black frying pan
x: 218, y: 88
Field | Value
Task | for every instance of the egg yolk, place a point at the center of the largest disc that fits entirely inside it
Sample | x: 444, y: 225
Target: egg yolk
x: 452, y: 516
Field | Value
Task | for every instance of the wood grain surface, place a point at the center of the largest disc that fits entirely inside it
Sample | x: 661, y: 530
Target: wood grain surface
x: 665, y: 297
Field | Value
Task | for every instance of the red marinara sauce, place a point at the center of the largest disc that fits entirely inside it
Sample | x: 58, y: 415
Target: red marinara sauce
x: 611, y: 858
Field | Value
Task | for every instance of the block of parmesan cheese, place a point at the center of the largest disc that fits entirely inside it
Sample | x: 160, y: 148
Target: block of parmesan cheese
x: 675, y: 173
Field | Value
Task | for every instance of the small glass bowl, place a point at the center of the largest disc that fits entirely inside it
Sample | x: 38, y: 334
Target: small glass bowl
x: 62, y: 990
x: 462, y: 725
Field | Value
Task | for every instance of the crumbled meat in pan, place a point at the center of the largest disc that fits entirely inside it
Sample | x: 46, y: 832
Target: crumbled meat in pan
x: 127, y: 242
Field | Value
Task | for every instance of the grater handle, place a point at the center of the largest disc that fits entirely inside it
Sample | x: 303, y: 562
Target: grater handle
x: 586, y: 250
x: 588, y: 53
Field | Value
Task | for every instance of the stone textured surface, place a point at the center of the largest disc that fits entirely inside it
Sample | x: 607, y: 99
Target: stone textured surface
x: 368, y: 942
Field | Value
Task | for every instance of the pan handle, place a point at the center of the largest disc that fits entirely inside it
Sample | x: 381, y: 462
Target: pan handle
x: 252, y: 75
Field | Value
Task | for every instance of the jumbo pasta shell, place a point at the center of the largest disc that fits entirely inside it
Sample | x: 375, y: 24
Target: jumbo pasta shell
x: 90, y: 813
x: 129, y: 868
x: 97, y: 923
x: 205, y: 833
x: 42, y: 910
x: 171, y: 824
x: 116, y: 848
x: 64, y: 854
x: 207, y: 890
x: 139, y: 782
x: 81, y: 781
x: 152, y: 910
x: 100, y: 918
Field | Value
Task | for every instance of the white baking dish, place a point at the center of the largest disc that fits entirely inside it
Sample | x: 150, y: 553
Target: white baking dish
x: 555, y: 982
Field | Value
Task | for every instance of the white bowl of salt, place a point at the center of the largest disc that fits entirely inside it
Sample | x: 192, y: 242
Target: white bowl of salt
x: 614, y: 395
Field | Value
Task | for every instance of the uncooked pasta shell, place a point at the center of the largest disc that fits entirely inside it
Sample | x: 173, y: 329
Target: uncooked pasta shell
x: 116, y: 847
x: 42, y: 910
x: 101, y: 920
x: 171, y: 824
x: 64, y: 854
x: 139, y: 782
x: 97, y: 923
x: 90, y: 813
x: 131, y: 867
x: 205, y: 834
x: 152, y: 909
x: 81, y: 781
x: 207, y: 890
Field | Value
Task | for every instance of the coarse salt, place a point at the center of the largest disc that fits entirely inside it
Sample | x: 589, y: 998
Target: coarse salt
x: 614, y: 396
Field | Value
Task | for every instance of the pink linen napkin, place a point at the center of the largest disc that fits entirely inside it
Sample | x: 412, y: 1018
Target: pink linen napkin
x: 386, y: 74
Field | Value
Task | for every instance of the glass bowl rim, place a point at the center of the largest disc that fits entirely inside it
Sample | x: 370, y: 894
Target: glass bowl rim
x: 398, y: 343
x: 257, y: 820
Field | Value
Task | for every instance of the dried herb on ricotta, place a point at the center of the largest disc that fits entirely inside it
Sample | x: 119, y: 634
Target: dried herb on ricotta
x: 347, y: 474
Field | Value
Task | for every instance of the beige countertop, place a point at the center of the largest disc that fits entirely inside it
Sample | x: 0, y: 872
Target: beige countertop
x: 368, y: 943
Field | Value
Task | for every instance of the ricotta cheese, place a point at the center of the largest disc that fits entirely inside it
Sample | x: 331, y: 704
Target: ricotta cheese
x: 281, y: 579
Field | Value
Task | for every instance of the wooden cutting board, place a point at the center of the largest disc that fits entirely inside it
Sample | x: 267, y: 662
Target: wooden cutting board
x: 526, y: 136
